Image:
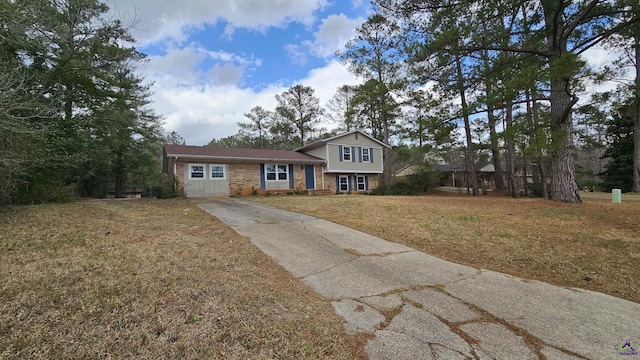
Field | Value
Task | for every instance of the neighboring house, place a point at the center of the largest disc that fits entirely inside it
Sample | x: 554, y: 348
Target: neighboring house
x: 347, y: 162
x: 451, y: 175
x: 486, y: 175
x: 353, y: 161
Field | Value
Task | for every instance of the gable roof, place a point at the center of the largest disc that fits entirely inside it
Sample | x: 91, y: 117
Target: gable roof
x: 322, y: 142
x: 237, y: 154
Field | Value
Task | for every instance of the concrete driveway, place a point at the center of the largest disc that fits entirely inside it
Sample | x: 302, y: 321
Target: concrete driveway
x: 420, y: 307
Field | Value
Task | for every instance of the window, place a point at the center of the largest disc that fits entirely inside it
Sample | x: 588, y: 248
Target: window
x: 277, y: 172
x: 346, y: 153
x: 196, y: 171
x: 361, y: 183
x: 282, y: 172
x: 217, y: 172
x: 365, y: 155
x: 344, y: 183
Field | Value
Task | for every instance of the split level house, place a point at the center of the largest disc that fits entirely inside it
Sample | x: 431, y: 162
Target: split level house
x: 349, y: 162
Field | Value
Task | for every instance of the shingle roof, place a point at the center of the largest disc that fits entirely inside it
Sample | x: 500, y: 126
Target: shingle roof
x: 237, y: 154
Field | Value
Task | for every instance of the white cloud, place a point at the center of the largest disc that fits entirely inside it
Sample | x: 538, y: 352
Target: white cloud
x: 178, y: 65
x: 169, y: 19
x: 357, y: 3
x: 296, y: 54
x: 201, y: 113
x: 226, y: 74
x: 326, y: 80
x: 332, y: 35
x: 181, y: 67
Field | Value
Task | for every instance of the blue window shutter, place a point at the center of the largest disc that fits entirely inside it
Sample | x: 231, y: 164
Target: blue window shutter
x: 349, y: 182
x: 337, y: 183
x: 340, y: 152
x: 371, y: 155
x: 290, y: 176
x: 359, y: 154
x: 262, y: 176
x: 353, y: 154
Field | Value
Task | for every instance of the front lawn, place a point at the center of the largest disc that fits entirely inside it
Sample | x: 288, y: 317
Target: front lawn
x: 151, y: 279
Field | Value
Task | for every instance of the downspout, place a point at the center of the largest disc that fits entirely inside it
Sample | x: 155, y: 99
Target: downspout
x: 175, y: 173
x: 326, y: 163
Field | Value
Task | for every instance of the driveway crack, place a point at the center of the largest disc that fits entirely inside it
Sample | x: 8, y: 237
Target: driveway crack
x: 329, y: 268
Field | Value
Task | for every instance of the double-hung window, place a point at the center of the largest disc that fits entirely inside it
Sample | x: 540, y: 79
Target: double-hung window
x: 344, y: 183
x: 361, y: 183
x: 365, y: 155
x: 217, y: 172
x: 346, y: 153
x: 196, y: 171
x: 277, y: 172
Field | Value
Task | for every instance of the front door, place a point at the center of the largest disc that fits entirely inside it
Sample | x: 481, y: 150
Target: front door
x: 310, y: 175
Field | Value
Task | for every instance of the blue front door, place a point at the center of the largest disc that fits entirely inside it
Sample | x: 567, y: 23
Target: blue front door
x: 310, y: 175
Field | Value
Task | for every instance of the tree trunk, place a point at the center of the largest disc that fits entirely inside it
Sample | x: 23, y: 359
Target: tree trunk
x: 535, y: 122
x: 543, y: 178
x: 514, y: 189
x: 636, y: 114
x: 495, y: 149
x: 525, y: 174
x: 470, y: 158
x: 563, y: 177
x: 493, y: 136
x: 119, y: 169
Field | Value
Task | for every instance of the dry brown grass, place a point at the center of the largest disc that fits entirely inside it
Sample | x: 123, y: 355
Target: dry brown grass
x: 150, y: 279
x: 594, y: 245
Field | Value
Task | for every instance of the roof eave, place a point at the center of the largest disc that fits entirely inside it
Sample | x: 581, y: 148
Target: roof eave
x: 246, y: 159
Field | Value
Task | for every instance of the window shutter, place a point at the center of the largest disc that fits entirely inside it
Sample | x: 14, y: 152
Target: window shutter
x: 371, y: 155
x: 290, y: 176
x: 340, y: 152
x: 353, y: 154
x: 337, y: 183
x: 262, y: 176
x: 349, y: 183
x: 366, y: 183
x: 359, y: 154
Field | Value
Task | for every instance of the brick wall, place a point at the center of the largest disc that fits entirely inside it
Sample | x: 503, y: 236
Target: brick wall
x: 244, y: 179
x: 330, y: 181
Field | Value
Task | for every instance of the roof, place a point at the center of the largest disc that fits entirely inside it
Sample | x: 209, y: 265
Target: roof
x: 237, y: 154
x: 482, y: 167
x: 486, y: 167
x: 322, y: 142
x: 407, y: 170
x: 410, y: 169
x: 448, y: 167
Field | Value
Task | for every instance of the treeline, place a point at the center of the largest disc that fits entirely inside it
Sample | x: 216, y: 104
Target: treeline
x: 74, y: 116
x: 508, y: 75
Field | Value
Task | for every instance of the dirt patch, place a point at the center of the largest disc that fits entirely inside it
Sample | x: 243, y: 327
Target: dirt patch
x: 594, y: 245
x: 151, y: 279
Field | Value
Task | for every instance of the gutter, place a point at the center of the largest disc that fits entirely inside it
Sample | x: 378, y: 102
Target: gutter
x: 247, y: 159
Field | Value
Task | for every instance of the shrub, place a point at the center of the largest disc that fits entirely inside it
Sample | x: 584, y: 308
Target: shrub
x: 423, y: 181
x: 46, y: 192
x: 164, y: 189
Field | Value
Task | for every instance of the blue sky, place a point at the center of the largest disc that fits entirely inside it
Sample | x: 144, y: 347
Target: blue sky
x: 211, y: 61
